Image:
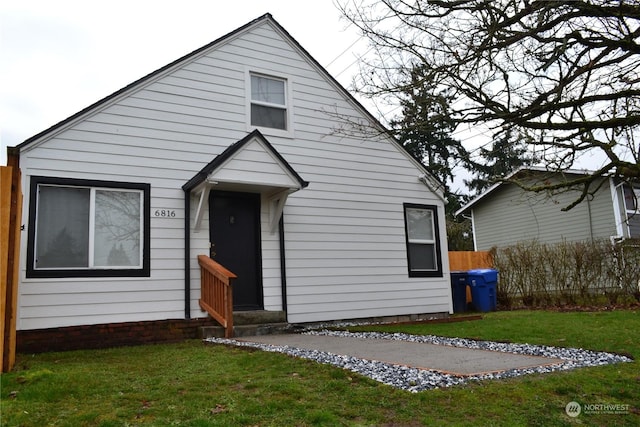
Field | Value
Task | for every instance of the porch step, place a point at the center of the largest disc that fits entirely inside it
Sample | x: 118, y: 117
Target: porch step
x: 258, y: 317
x: 250, y: 323
x: 244, y: 330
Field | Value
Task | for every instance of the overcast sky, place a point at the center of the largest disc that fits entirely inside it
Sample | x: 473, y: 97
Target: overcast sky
x: 59, y: 56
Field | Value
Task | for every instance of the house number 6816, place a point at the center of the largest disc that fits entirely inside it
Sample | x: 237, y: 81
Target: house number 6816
x: 165, y: 213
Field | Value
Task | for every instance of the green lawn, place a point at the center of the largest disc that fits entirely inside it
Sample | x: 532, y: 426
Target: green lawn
x: 191, y: 384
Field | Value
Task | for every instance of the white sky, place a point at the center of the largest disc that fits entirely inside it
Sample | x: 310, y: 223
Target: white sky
x: 59, y: 56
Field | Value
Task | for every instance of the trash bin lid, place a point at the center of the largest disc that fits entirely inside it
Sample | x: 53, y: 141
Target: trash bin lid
x: 488, y: 274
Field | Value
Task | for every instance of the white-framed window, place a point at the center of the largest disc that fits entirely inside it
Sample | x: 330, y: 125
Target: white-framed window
x: 269, y: 103
x: 632, y: 207
x: 80, y: 228
x: 422, y: 237
x: 631, y: 198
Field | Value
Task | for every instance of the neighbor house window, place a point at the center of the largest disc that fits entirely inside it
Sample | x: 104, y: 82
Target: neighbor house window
x: 88, y: 228
x: 268, y: 102
x: 423, y: 245
x: 632, y: 207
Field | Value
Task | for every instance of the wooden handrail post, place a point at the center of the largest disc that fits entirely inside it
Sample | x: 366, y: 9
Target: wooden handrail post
x: 228, y: 333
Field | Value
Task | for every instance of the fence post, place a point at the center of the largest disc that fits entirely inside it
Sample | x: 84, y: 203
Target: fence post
x: 10, y: 221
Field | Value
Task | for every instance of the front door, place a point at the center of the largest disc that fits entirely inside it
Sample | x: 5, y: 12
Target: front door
x: 234, y: 230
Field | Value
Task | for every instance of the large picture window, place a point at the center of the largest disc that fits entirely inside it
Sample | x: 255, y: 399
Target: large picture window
x: 268, y: 102
x: 423, y: 240
x: 88, y: 228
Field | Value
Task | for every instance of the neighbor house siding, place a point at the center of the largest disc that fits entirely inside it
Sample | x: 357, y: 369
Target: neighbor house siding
x: 602, y: 213
x: 345, y: 248
x: 510, y: 215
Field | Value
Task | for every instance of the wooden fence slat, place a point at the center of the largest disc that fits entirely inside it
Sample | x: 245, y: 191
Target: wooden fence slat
x: 5, y: 212
x: 10, y: 220
x: 467, y: 260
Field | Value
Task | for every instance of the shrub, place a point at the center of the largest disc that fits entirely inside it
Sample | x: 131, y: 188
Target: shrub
x: 534, y: 274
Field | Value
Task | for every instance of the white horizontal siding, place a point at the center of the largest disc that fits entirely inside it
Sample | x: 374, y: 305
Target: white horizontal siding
x: 345, y: 245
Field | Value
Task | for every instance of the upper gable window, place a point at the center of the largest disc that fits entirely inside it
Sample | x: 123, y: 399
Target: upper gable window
x: 269, y: 105
x: 268, y: 102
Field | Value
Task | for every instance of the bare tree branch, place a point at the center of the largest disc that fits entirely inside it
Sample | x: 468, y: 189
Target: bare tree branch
x: 565, y: 73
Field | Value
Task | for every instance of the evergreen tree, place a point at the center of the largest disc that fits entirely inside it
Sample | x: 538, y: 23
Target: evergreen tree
x: 425, y: 129
x: 505, y: 156
x: 459, y: 230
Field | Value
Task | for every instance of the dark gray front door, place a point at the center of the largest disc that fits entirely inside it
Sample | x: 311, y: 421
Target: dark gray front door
x: 234, y: 228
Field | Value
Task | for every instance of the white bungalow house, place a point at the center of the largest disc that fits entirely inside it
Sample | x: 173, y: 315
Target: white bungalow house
x: 234, y: 151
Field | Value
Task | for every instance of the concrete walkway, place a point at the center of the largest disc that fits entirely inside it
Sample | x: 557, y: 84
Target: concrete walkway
x: 451, y: 360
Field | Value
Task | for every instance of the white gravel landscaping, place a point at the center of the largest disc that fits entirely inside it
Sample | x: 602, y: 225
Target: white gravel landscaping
x: 415, y: 380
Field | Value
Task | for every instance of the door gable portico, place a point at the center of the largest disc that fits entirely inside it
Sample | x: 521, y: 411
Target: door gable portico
x: 251, y: 165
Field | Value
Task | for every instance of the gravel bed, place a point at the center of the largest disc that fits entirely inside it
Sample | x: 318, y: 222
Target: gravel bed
x: 415, y: 380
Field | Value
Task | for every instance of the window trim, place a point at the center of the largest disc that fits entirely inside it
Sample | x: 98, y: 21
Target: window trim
x: 438, y: 252
x: 633, y: 213
x: 636, y: 194
x: 144, y: 271
x: 288, y: 105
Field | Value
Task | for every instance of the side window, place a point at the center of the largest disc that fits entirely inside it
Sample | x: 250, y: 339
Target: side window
x: 423, y: 240
x: 88, y: 228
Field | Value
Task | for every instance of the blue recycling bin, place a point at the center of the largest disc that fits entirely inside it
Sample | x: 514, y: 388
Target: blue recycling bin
x: 483, y: 283
x: 459, y: 283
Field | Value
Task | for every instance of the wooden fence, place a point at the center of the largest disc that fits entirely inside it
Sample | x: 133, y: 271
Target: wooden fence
x: 10, y: 219
x: 464, y: 260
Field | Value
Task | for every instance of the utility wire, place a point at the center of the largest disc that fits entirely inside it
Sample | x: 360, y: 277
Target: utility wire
x: 343, y: 52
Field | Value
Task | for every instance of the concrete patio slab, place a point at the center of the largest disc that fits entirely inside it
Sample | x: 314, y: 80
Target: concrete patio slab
x: 442, y: 358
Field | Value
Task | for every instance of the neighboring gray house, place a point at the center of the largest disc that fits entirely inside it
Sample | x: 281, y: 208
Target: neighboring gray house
x: 233, y: 151
x: 505, y: 214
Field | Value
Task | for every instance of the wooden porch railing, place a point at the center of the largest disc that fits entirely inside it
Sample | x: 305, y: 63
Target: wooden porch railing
x: 216, y: 296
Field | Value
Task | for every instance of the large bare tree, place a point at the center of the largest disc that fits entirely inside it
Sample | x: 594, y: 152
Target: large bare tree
x: 564, y: 73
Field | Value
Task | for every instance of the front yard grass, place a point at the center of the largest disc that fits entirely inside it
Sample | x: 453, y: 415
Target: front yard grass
x: 192, y: 384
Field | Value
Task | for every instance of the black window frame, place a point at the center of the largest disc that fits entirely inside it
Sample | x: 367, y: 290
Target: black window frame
x: 438, y: 251
x: 32, y: 272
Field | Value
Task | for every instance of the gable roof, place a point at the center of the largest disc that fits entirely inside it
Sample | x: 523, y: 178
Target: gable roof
x: 280, y: 175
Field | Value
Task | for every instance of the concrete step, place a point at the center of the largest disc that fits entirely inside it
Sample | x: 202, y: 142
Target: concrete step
x: 250, y: 323
x: 258, y: 317
x: 244, y: 330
